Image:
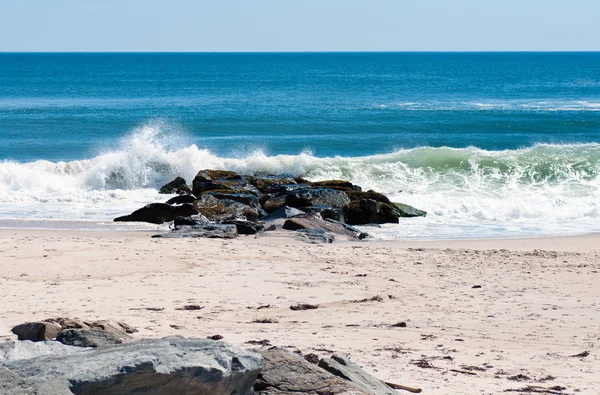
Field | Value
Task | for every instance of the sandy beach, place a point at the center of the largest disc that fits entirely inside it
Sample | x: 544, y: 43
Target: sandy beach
x: 482, y: 316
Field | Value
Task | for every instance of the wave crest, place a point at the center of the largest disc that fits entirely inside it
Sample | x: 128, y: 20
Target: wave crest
x: 542, y: 186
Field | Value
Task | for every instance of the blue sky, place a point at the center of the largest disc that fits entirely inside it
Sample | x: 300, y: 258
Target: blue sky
x: 301, y: 25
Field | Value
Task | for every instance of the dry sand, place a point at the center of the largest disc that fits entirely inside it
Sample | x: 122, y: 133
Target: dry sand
x: 477, y: 313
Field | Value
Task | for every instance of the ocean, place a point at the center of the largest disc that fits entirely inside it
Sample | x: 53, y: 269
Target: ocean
x: 489, y: 144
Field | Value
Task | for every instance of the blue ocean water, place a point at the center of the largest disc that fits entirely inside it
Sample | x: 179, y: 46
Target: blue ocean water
x: 491, y: 144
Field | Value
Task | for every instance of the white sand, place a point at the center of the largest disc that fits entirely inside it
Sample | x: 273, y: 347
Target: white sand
x: 539, y: 300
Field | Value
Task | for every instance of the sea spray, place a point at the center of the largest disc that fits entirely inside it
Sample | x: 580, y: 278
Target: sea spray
x: 543, y: 189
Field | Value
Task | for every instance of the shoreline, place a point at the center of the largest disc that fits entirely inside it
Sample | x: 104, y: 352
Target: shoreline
x: 501, y: 308
x: 108, y: 226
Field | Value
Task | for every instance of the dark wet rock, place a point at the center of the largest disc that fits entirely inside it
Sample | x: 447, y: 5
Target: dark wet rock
x: 37, y: 331
x: 272, y: 203
x: 234, y: 183
x: 166, y: 366
x: 182, y: 199
x: 94, y: 337
x: 326, y: 226
x: 347, y: 370
x: 336, y: 184
x: 284, y: 212
x: 213, y: 175
x: 244, y: 198
x: 271, y: 184
x: 370, y: 194
x: 317, y: 197
x: 206, y: 186
x: 326, y: 212
x: 201, y: 230
x: 225, y: 209
x: 288, y: 373
x: 314, y: 236
x: 158, y: 213
x: 245, y: 227
x: 368, y: 211
x: 178, y: 185
x: 193, y: 220
x: 285, y: 188
x: 404, y: 210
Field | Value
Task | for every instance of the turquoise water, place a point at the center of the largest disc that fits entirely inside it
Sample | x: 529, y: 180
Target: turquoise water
x: 491, y: 144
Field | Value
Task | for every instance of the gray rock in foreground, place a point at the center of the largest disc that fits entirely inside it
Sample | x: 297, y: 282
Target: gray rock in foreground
x: 287, y: 373
x: 165, y: 366
x: 348, y: 370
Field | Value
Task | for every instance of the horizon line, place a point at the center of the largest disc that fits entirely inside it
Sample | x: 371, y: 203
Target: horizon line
x: 299, y: 52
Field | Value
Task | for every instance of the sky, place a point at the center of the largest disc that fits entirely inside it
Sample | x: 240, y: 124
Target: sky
x: 300, y: 25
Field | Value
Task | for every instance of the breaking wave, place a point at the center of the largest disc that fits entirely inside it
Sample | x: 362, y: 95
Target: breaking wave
x: 543, y: 189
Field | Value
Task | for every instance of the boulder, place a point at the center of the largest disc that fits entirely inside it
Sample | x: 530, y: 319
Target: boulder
x: 158, y: 213
x: 13, y: 351
x: 94, y: 337
x: 284, y: 212
x: 326, y: 212
x: 344, y: 368
x: 369, y: 211
x: 370, y: 194
x: 224, y: 209
x: 193, y: 220
x: 404, y: 210
x: 271, y: 184
x: 182, y: 199
x: 230, y: 185
x: 360, y: 234
x: 315, y: 236
x: 68, y: 323
x: 285, y: 373
x: 115, y: 327
x: 326, y: 226
x: 201, y: 230
x: 317, y: 197
x: 272, y: 203
x: 336, y: 184
x: 213, y: 175
x: 245, y: 227
x: 37, y: 331
x: 284, y: 189
x: 178, y: 185
x: 12, y: 384
x: 165, y: 366
x: 244, y: 198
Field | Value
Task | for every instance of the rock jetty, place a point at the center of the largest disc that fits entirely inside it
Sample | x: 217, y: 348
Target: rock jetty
x: 225, y: 204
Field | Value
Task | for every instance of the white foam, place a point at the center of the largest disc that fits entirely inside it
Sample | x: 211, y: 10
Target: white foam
x: 545, y: 189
